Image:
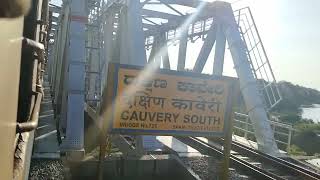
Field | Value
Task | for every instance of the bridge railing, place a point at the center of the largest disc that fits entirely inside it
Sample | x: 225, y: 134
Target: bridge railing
x: 282, y: 132
x: 258, y: 59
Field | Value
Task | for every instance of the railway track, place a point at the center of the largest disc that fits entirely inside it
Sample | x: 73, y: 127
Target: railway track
x: 293, y: 169
x: 254, y: 163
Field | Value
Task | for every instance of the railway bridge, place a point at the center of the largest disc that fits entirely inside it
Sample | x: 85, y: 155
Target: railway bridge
x: 139, y: 89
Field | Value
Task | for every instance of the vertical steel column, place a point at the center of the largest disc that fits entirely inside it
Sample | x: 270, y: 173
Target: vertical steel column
x: 153, y: 51
x: 124, y: 55
x: 108, y: 44
x: 61, y: 67
x: 135, y: 32
x: 165, y: 55
x: 155, y: 56
x: 76, y: 75
x: 182, y: 51
x: 51, y: 52
x: 137, y: 53
x: 60, y: 51
x: 219, y: 51
x: 248, y: 84
x: 55, y: 54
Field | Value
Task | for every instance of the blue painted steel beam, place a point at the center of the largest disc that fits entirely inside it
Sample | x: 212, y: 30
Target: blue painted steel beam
x: 219, y: 51
x: 76, y: 76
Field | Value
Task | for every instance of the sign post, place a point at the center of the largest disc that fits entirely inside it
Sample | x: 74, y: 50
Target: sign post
x: 104, y: 114
x: 166, y: 102
x: 228, y: 135
x: 226, y: 151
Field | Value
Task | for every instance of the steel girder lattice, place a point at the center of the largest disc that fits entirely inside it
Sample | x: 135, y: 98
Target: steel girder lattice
x: 140, y: 32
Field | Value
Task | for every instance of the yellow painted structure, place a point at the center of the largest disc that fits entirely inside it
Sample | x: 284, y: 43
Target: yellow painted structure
x: 10, y: 50
x: 169, y: 103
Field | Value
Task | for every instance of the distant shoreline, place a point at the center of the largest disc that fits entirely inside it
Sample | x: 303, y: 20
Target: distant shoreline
x: 307, y: 106
x: 310, y: 106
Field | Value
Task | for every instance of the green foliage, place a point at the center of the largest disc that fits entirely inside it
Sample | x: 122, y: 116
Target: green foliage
x: 295, y: 150
x: 307, y: 126
x: 293, y: 96
x: 291, y: 118
x: 307, y: 138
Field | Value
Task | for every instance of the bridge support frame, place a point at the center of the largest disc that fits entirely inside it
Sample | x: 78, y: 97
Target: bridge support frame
x: 75, y: 80
x: 248, y: 83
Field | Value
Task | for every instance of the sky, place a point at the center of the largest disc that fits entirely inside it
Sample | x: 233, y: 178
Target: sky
x: 290, y: 32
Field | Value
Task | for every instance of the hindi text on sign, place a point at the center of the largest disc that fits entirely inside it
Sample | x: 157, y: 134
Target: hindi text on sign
x: 169, y: 102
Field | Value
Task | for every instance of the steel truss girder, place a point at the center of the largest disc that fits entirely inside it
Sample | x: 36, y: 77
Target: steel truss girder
x: 224, y: 27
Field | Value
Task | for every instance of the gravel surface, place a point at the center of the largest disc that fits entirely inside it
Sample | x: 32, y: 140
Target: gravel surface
x: 207, y: 168
x: 46, y: 170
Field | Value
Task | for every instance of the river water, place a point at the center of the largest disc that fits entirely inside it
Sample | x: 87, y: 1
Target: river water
x: 311, y: 112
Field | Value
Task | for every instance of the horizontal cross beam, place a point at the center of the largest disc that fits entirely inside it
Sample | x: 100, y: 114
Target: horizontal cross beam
x: 162, y: 15
x: 190, y: 3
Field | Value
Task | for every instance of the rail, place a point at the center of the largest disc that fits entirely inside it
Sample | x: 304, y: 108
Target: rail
x: 236, y: 162
x: 252, y: 162
x: 292, y: 168
x: 282, y: 132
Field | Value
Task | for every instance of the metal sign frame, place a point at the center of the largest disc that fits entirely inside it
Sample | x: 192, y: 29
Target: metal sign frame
x: 112, y: 94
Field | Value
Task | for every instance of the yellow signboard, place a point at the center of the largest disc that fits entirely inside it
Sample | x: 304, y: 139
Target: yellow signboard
x: 169, y: 102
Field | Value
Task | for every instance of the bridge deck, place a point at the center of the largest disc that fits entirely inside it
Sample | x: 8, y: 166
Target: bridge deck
x: 248, y: 142
x: 45, y: 142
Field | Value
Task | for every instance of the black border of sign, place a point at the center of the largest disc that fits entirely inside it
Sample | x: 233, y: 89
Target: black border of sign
x: 116, y: 66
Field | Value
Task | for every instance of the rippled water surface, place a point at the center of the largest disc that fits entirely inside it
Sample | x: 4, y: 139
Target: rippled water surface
x: 312, y: 112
